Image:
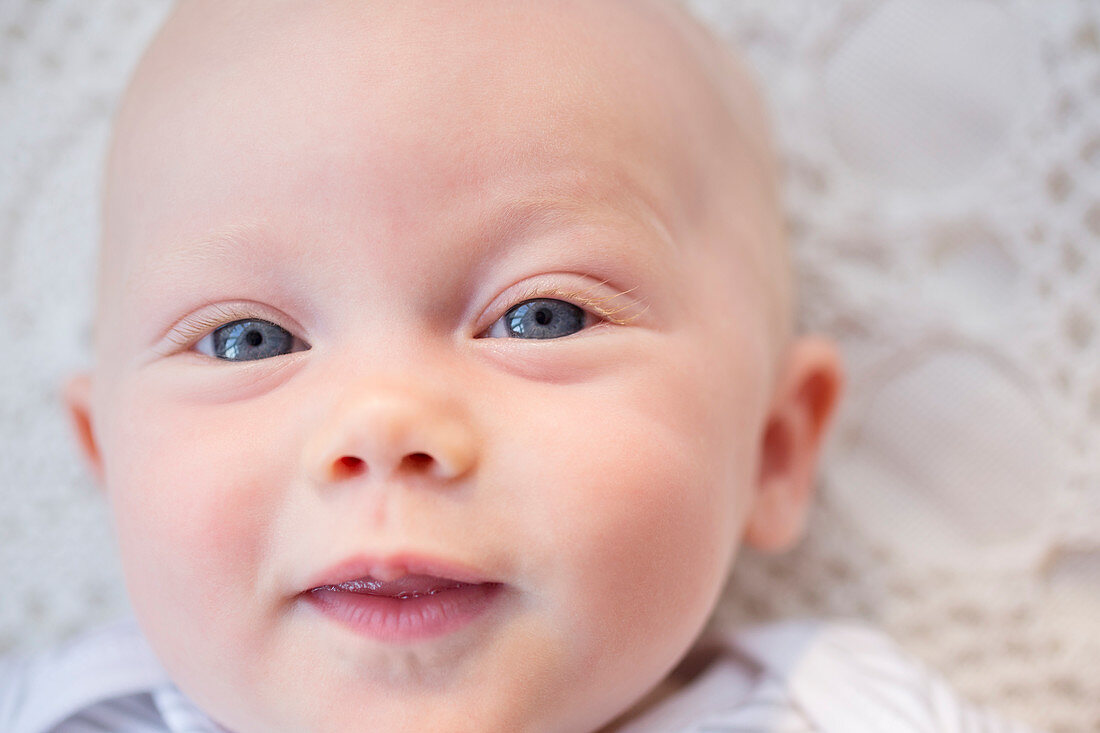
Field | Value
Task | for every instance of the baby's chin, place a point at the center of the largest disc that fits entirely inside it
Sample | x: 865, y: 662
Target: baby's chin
x: 318, y: 678
x: 314, y: 700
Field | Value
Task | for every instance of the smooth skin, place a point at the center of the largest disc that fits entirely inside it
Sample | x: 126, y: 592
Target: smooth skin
x: 385, y: 181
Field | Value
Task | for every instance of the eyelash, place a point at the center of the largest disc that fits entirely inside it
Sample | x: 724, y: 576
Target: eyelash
x: 600, y: 305
x: 191, y: 329
x: 188, y: 331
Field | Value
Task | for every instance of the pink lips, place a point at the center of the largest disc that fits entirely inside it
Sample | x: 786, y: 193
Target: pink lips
x: 402, y: 598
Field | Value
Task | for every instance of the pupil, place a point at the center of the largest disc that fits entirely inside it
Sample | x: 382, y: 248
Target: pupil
x: 254, y: 338
x: 543, y: 316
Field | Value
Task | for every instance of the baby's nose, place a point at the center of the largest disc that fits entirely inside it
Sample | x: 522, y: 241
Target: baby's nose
x: 389, y: 434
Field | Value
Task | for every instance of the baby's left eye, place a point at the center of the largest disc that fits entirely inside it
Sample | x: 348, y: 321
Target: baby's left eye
x: 248, y: 340
x: 540, y: 318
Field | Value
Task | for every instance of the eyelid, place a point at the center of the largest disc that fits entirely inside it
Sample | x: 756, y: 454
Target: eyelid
x: 617, y: 307
x: 190, y: 329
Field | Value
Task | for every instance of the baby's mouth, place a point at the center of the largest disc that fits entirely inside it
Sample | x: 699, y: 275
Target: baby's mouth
x: 406, y: 608
x: 404, y: 588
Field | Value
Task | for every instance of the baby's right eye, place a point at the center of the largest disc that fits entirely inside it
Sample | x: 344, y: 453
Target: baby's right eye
x: 248, y: 340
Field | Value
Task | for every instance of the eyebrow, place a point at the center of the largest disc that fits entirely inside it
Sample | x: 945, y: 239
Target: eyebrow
x: 218, y: 243
x: 506, y: 222
x: 500, y: 223
x: 560, y: 207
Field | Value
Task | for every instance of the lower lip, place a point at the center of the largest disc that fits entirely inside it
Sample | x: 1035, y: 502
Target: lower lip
x: 384, y: 618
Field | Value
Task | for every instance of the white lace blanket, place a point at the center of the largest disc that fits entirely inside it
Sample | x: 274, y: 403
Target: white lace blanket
x: 944, y: 184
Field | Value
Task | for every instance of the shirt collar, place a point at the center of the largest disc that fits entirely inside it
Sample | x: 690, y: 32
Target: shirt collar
x: 180, y: 714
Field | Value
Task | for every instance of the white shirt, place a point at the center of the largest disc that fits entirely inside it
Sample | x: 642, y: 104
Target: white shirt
x: 794, y: 677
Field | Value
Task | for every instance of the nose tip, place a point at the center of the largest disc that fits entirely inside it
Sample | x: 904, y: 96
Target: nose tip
x: 395, y: 436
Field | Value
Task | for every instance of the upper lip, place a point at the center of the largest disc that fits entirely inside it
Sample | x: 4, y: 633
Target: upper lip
x: 394, y: 567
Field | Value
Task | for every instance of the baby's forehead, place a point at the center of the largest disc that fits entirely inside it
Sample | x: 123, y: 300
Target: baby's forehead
x: 235, y: 106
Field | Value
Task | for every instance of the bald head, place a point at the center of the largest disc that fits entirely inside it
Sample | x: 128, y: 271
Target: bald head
x: 234, y: 93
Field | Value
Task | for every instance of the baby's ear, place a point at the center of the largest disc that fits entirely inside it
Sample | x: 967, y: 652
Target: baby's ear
x: 805, y: 399
x: 77, y: 394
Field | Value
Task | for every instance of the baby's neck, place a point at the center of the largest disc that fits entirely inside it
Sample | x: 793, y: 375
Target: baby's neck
x: 683, y: 674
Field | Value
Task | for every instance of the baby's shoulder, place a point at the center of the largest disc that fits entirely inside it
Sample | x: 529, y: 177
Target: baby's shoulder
x: 109, y: 674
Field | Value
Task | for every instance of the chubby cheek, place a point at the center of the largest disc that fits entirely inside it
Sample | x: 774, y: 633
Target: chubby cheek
x: 647, y: 550
x: 634, y: 533
x: 192, y: 492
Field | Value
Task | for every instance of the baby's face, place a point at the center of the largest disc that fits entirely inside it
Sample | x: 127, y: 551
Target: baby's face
x: 436, y: 300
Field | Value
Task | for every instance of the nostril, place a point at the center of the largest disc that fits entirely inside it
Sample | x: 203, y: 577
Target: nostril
x: 349, y: 466
x: 418, y: 461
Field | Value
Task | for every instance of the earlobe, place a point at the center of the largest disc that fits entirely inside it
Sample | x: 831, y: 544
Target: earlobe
x: 804, y: 402
x: 77, y: 395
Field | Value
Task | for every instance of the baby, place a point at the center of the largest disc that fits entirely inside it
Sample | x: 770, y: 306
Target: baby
x: 444, y: 360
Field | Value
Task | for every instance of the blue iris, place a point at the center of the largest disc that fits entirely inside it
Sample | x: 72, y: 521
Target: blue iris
x: 251, y: 339
x: 543, y: 318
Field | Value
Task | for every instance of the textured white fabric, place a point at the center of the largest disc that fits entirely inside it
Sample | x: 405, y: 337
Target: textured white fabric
x: 794, y: 677
x: 944, y: 187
